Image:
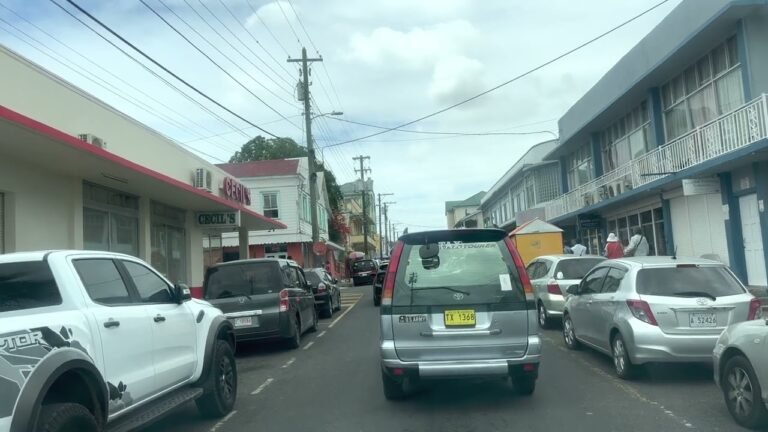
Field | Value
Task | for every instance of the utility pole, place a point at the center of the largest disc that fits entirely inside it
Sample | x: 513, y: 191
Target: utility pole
x: 362, y: 172
x: 381, y: 243
x: 304, y: 96
x: 386, y: 208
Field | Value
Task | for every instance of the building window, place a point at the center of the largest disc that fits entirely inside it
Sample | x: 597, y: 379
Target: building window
x: 169, y: 242
x: 270, y: 207
x: 110, y: 220
x: 704, y: 91
x: 580, y: 167
x: 305, y: 208
x: 626, y: 139
x: 504, y: 212
x: 650, y: 221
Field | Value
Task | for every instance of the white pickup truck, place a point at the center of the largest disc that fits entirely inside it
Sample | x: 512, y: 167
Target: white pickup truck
x: 98, y: 341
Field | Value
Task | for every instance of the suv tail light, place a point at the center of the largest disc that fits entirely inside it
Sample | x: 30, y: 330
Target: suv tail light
x: 553, y: 287
x: 284, y: 304
x: 642, y: 311
x: 755, y: 310
x: 389, y: 280
x: 527, y: 288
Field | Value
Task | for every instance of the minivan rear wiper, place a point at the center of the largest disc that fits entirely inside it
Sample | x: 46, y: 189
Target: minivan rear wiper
x: 695, y: 294
x: 440, y: 287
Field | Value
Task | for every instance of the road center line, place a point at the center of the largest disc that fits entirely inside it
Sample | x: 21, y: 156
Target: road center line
x: 321, y: 334
x: 342, y: 315
x: 289, y: 362
x: 221, y: 423
x: 308, y: 345
x: 263, y: 386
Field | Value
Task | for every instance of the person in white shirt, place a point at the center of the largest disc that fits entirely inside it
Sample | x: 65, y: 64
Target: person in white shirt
x: 578, y: 249
x: 638, y: 244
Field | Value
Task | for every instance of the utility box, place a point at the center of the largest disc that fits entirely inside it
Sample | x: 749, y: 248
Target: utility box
x: 536, y: 238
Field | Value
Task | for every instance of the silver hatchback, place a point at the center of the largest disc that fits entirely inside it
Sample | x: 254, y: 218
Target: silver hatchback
x: 655, y: 309
x: 457, y: 303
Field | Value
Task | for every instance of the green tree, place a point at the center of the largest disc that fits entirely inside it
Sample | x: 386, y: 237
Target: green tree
x: 260, y: 148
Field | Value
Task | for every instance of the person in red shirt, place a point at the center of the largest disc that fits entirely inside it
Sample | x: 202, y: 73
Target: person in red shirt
x: 613, y: 248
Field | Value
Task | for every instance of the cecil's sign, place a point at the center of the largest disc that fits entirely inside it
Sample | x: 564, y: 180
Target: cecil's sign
x: 219, y: 219
x: 236, y: 191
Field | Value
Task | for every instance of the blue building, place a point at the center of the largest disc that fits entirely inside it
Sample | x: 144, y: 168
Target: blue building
x: 673, y: 140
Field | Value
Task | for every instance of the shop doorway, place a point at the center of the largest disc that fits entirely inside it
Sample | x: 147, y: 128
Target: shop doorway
x: 753, y: 240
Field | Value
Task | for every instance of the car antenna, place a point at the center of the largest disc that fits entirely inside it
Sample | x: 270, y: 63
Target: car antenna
x: 674, y: 254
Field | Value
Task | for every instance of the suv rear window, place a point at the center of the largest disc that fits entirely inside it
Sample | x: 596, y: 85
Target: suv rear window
x: 366, y: 265
x: 468, y: 272
x: 687, y: 282
x: 242, y: 279
x: 576, y: 268
x: 27, y: 285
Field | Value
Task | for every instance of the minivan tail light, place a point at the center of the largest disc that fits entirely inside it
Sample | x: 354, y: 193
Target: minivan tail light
x: 755, y: 310
x: 389, y: 280
x: 527, y: 288
x: 642, y: 311
x: 553, y: 287
x: 284, y: 302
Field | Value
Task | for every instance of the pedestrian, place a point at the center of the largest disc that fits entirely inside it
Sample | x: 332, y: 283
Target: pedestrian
x: 567, y: 250
x: 638, y: 244
x: 613, y: 248
x: 578, y: 248
x: 328, y: 266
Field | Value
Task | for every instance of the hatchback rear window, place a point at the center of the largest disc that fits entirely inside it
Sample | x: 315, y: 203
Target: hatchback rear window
x: 463, y: 272
x: 576, y: 268
x: 242, y: 279
x: 687, y: 282
x: 27, y: 285
x: 312, y: 277
x: 366, y: 265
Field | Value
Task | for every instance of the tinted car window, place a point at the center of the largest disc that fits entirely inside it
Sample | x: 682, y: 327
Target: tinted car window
x: 151, y: 288
x: 687, y: 282
x: 26, y: 285
x: 576, y: 268
x: 263, y: 277
x: 239, y: 280
x: 593, y: 282
x: 102, y: 281
x: 313, y: 277
x: 364, y: 265
x: 533, y: 270
x: 463, y: 273
x: 613, y: 280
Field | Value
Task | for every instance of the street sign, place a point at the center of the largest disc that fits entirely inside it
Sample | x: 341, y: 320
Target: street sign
x: 701, y: 186
x: 590, y: 221
x: 218, y: 219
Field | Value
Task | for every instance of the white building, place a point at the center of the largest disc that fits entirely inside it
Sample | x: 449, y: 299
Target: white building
x: 121, y: 187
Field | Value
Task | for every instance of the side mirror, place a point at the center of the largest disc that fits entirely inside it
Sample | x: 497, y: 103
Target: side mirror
x: 335, y: 281
x: 559, y: 275
x: 182, y: 293
x: 573, y: 290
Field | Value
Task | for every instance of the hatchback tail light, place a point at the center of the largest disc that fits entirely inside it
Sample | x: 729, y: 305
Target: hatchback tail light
x: 527, y: 288
x: 389, y: 280
x: 284, y: 302
x: 642, y: 311
x: 755, y: 310
x: 553, y: 287
x: 321, y: 287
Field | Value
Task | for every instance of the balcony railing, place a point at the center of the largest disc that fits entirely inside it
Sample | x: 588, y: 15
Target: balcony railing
x: 731, y: 131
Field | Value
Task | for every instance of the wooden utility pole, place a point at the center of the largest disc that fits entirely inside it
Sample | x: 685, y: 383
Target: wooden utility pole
x: 362, y: 172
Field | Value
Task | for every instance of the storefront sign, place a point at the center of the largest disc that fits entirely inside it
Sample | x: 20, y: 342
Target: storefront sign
x: 236, y: 191
x: 590, y: 221
x: 218, y: 219
x: 701, y: 186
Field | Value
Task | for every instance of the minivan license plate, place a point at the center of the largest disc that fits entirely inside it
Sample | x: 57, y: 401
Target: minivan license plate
x: 243, y: 322
x: 464, y: 317
x: 703, y: 320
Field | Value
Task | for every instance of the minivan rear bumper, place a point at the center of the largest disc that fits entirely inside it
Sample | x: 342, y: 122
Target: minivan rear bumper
x: 461, y: 368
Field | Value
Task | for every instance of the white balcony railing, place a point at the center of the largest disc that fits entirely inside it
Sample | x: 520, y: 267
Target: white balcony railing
x: 736, y: 129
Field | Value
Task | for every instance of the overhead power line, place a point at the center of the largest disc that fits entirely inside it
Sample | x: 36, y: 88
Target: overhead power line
x: 161, y: 66
x: 505, y: 83
x: 445, y: 133
x: 256, y: 14
x: 298, y: 39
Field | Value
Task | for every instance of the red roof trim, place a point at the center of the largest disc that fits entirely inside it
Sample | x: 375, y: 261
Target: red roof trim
x: 81, y: 145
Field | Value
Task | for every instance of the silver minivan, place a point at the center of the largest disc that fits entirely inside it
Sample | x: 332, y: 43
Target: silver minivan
x: 457, y: 303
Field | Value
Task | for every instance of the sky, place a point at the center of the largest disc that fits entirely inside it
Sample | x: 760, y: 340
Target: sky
x: 385, y: 62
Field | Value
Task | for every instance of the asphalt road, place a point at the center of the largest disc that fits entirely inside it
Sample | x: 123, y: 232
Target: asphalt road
x: 332, y: 383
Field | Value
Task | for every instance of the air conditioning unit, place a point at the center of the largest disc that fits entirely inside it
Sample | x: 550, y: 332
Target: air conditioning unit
x: 93, y: 140
x: 203, y: 179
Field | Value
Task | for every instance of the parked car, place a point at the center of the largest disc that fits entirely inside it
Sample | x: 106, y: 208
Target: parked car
x: 655, y: 309
x: 95, y: 341
x: 741, y: 371
x: 457, y: 303
x: 550, y: 276
x: 363, y: 272
x: 266, y: 299
x: 378, y: 283
x: 327, y: 294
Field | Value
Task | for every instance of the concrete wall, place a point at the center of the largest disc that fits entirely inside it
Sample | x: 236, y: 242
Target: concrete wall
x: 756, y: 32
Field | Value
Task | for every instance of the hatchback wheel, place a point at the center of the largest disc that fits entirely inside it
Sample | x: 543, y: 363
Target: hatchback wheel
x: 569, y: 333
x: 328, y: 309
x: 621, y: 362
x: 742, y: 394
x: 544, y: 321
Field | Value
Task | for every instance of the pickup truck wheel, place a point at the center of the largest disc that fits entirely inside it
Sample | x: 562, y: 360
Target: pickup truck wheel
x: 221, y: 384
x: 66, y: 417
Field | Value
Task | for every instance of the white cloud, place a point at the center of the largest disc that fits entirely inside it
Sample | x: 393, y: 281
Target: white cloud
x: 456, y: 78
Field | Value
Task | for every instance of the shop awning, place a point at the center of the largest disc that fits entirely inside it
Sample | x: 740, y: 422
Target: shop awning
x: 47, y: 148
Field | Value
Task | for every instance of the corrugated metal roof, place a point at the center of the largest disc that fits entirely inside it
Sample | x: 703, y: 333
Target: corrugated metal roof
x: 266, y: 168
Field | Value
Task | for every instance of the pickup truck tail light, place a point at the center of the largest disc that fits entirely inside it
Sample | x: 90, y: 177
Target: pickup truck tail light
x: 284, y: 302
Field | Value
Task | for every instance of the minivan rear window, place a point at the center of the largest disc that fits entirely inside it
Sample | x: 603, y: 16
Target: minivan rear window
x: 27, y: 285
x: 365, y: 265
x: 465, y: 272
x: 687, y: 282
x: 242, y: 279
x: 576, y: 268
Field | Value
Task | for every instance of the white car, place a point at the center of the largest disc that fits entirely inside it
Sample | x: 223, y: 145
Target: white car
x: 741, y: 371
